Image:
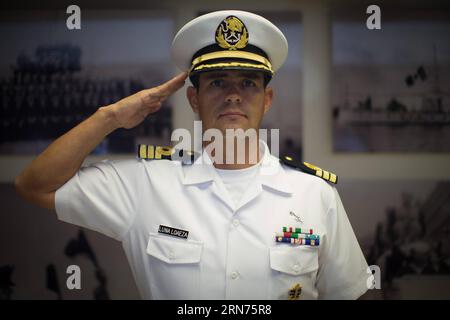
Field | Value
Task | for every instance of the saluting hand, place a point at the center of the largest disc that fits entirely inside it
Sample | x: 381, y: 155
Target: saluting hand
x: 132, y: 110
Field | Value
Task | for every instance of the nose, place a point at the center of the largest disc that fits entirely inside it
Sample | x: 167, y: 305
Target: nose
x: 233, y: 96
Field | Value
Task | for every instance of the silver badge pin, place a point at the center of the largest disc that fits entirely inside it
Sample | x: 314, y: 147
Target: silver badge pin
x: 295, y: 216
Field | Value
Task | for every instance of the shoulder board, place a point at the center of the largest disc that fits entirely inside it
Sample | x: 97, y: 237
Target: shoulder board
x: 309, y: 168
x: 151, y: 152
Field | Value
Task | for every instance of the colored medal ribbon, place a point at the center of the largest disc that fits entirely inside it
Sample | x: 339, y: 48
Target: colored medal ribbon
x: 298, y: 236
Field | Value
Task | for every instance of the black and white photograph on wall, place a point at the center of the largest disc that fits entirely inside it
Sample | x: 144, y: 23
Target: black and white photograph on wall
x: 404, y: 229
x: 52, y: 79
x: 391, y: 87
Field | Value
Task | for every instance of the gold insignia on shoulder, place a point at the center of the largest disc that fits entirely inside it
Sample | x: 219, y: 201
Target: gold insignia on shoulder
x: 310, y: 168
x: 232, y: 34
x: 151, y: 152
x: 329, y: 176
x: 295, y: 292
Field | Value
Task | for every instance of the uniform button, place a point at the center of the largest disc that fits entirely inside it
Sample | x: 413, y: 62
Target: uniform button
x: 234, y: 275
x: 236, y: 222
x: 296, y: 268
x: 171, y: 255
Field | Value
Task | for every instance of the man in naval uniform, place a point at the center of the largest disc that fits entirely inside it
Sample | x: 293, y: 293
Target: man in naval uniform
x: 260, y: 228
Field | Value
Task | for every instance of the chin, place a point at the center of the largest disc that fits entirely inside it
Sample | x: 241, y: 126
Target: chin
x: 233, y: 126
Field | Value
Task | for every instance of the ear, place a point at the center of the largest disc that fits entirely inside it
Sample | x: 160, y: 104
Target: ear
x: 268, y: 96
x: 192, y: 96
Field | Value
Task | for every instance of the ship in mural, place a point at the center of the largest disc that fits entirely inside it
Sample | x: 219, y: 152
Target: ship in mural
x: 434, y: 107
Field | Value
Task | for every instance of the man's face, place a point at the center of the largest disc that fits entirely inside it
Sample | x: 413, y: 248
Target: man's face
x: 230, y: 99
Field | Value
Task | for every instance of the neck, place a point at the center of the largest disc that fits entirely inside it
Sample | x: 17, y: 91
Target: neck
x: 233, y: 153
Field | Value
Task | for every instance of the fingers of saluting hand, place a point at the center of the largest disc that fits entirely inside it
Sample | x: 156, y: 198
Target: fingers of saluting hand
x: 161, y: 92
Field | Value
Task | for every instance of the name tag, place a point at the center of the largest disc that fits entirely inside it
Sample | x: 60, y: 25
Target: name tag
x: 173, y: 231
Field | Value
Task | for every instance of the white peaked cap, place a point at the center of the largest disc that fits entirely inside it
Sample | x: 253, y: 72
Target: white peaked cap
x: 229, y: 39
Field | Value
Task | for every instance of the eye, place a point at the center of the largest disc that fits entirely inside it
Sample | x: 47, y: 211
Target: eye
x: 216, y: 83
x: 248, y: 83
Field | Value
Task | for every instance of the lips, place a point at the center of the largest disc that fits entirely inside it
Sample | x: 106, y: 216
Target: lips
x: 232, y: 113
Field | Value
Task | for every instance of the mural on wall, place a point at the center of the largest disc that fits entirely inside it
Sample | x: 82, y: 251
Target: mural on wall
x: 75, y: 247
x: 56, y: 78
x: 391, y: 87
x: 36, y: 251
x: 404, y: 228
